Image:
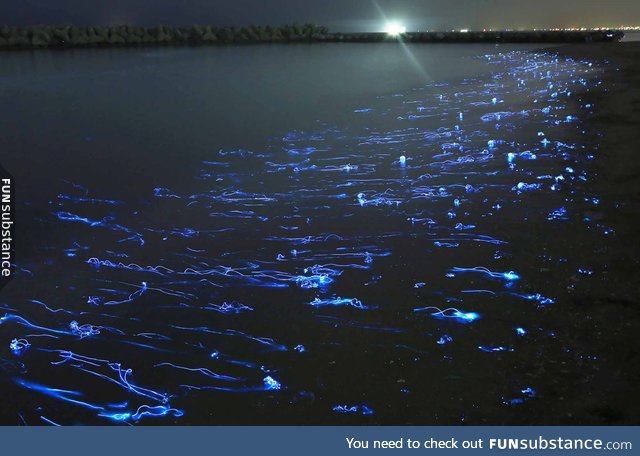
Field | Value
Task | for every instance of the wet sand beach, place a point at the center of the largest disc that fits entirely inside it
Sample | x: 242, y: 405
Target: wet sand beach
x: 606, y: 317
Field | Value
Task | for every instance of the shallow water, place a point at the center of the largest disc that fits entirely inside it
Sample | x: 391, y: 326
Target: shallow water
x: 296, y: 234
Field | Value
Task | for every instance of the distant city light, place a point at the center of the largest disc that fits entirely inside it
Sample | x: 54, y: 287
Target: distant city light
x: 395, y: 29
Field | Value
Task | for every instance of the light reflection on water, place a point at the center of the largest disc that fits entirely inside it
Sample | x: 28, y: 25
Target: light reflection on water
x: 379, y: 268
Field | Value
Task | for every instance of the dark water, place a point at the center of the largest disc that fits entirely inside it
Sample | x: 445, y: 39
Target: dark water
x: 631, y: 36
x: 299, y: 234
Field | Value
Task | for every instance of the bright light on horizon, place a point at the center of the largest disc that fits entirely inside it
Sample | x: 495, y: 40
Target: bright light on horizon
x: 395, y: 28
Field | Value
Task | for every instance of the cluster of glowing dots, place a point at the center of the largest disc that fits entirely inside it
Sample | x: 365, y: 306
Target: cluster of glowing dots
x: 182, y: 280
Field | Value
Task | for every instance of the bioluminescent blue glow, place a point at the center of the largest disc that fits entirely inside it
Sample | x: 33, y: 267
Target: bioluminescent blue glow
x: 334, y: 264
x: 542, y: 300
x: 106, y: 223
x: 494, y: 349
x: 445, y: 340
x: 86, y: 330
x: 157, y: 411
x: 19, y: 346
x: 355, y: 409
x: 450, y: 313
x: 525, y: 395
x: 271, y: 384
x: 509, y: 276
x: 64, y: 395
x: 353, y: 302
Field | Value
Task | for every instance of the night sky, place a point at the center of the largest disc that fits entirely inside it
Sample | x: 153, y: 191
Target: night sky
x: 339, y: 15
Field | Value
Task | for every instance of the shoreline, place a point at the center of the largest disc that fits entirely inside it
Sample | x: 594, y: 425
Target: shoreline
x: 71, y: 37
x: 616, y: 110
x: 604, y: 317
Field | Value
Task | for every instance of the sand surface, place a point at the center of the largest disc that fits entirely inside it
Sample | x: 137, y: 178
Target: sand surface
x: 605, y: 319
